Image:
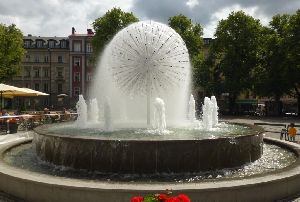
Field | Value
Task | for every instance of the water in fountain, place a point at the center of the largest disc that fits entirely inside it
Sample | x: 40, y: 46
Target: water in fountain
x: 94, y: 111
x: 107, y: 115
x: 159, y: 115
x: 192, y: 111
x: 145, y: 60
x: 215, y: 109
x: 207, y: 110
x: 81, y: 107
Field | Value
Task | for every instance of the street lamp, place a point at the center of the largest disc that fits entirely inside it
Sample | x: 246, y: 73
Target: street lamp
x: 50, y: 77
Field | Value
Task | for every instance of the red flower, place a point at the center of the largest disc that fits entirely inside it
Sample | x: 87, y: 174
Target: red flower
x: 137, y: 199
x: 183, y: 198
x: 162, y: 197
x: 171, y: 199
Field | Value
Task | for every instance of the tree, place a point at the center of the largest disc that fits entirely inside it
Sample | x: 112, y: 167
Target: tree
x: 270, y: 77
x: 293, y: 58
x: 11, y: 51
x: 108, y: 25
x: 237, y: 46
x: 191, y: 33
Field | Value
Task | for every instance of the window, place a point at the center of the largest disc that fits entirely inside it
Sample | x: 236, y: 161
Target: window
x: 63, y: 44
x: 77, y: 47
x: 59, y: 87
x: 77, y: 61
x: 36, y: 58
x: 89, y: 48
x: 77, y: 77
x: 36, y: 86
x: 27, y: 44
x: 60, y: 59
x: 46, y: 87
x: 46, y: 72
x: 27, y: 58
x: 60, y: 72
x: 27, y: 71
x: 76, y: 91
x: 39, y: 44
x: 51, y: 44
x: 36, y: 72
x: 46, y: 58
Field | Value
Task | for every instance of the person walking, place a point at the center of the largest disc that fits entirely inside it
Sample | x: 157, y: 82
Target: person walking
x: 292, y: 132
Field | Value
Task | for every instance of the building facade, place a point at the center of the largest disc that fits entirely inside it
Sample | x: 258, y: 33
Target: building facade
x: 81, y: 67
x: 45, y: 67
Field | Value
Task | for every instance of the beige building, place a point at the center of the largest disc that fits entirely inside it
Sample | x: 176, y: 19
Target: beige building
x: 45, y: 67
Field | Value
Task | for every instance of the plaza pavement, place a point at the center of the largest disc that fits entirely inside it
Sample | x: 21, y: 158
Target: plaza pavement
x: 271, y: 131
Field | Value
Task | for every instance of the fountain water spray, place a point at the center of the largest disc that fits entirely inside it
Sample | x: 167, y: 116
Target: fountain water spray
x: 159, y: 115
x: 107, y: 115
x: 207, y: 109
x: 94, y: 111
x: 145, y: 60
x: 192, y: 111
x: 81, y: 107
x: 215, y: 109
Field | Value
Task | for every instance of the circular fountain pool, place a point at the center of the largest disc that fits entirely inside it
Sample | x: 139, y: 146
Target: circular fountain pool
x: 273, y: 158
x: 129, y: 152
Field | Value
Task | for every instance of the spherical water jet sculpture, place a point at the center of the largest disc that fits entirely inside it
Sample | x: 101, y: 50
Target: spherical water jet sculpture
x: 143, y: 61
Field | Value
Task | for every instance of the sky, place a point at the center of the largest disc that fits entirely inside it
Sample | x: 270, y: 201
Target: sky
x: 57, y: 17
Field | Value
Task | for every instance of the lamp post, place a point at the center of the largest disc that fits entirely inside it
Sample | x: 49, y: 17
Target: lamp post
x: 50, y: 77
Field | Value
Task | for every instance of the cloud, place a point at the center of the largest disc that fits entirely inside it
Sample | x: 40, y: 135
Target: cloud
x: 56, y: 17
x: 208, y: 13
x: 192, y: 3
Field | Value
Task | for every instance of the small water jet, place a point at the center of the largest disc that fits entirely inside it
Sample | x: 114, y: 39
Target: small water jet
x: 192, y: 109
x: 159, y: 115
x: 81, y: 107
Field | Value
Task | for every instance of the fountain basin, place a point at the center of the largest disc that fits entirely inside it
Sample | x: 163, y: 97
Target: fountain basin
x: 140, y: 156
x: 266, y: 187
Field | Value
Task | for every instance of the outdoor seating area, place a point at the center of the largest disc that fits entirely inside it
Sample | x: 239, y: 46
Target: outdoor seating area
x: 27, y: 121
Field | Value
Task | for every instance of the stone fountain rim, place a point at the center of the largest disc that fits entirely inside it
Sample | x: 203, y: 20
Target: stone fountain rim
x: 41, y: 130
x: 293, y: 169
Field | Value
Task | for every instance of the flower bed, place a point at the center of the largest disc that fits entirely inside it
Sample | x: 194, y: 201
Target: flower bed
x: 161, y: 198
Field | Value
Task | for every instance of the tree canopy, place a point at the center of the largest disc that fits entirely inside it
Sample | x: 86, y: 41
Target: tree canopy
x: 236, y: 48
x: 190, y: 32
x: 11, y: 51
x: 108, y: 25
x: 270, y: 77
x: 293, y: 42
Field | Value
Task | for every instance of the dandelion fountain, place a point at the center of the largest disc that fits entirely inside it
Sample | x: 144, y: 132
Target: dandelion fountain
x: 140, y: 134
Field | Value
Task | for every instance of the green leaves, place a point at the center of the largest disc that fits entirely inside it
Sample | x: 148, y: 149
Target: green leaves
x: 191, y: 33
x: 11, y: 51
x: 108, y: 25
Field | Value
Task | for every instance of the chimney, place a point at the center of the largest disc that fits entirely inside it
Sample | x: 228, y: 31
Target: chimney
x: 90, y: 31
x: 73, y: 30
x: 29, y: 35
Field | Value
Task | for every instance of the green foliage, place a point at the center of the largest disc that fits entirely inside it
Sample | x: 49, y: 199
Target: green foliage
x: 11, y: 51
x: 270, y: 77
x: 191, y: 33
x: 237, y: 47
x: 108, y: 25
x: 293, y: 42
